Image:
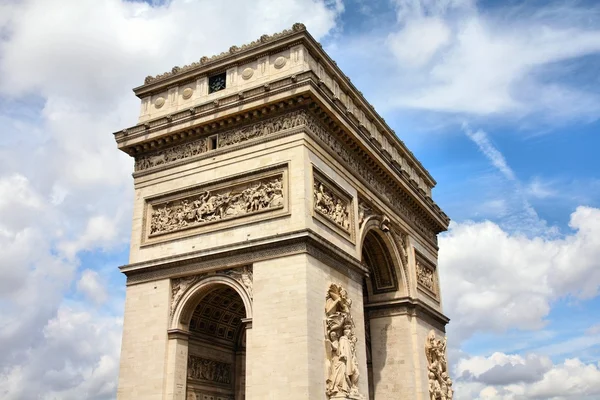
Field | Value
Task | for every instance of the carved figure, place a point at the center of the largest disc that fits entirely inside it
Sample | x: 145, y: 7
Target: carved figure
x: 331, y: 206
x: 440, y: 384
x: 242, y: 275
x: 337, y: 382
x: 208, y: 370
x: 425, y: 277
x: 208, y: 206
x: 340, y: 345
x: 179, y: 286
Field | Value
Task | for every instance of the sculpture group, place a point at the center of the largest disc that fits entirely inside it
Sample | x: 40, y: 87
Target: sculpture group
x: 209, y: 370
x: 343, y: 374
x: 440, y: 384
x: 208, y: 206
x: 331, y: 206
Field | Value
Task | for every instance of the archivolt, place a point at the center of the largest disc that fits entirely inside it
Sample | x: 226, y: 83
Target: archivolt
x: 195, y: 294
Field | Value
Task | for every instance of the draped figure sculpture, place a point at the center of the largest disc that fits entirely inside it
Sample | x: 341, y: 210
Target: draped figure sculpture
x: 340, y: 341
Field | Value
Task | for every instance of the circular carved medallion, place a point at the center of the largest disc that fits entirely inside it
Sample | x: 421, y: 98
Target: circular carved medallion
x: 187, y: 93
x: 247, y: 73
x: 280, y: 62
x: 159, y: 102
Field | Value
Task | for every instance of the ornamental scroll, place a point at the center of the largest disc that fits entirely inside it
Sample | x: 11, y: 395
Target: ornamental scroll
x: 340, y: 344
x: 215, y: 205
x: 440, y: 384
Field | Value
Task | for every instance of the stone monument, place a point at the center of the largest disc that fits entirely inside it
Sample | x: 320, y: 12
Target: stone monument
x: 284, y: 240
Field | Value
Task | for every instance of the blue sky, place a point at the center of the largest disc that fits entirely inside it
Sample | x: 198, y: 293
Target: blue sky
x: 498, y: 99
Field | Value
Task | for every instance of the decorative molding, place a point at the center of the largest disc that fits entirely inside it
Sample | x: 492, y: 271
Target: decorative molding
x: 179, y: 286
x: 333, y: 203
x: 440, y: 384
x: 297, y: 27
x: 227, y: 138
x: 204, y: 369
x: 278, y: 246
x: 340, y: 343
x: 407, y: 306
x: 400, y: 201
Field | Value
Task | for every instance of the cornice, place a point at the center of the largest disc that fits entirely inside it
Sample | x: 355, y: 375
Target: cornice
x: 407, y: 306
x: 272, y: 43
x: 248, y: 252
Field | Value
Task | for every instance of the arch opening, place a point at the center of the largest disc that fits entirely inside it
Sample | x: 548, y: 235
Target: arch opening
x: 217, y: 346
x: 378, y: 256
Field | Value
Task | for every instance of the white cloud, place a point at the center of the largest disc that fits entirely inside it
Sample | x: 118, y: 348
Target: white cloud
x: 488, y: 275
x: 514, y: 377
x: 76, y: 356
x: 454, y: 57
x: 91, y: 285
x: 418, y: 42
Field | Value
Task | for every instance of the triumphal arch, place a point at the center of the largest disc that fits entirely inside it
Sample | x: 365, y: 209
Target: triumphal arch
x: 284, y: 240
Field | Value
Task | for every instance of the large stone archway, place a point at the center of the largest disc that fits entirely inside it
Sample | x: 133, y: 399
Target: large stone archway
x: 208, y: 336
x: 217, y: 347
x: 386, y: 281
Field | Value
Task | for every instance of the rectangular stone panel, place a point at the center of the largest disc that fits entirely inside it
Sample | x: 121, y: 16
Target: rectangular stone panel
x: 240, y: 199
x: 332, y: 205
x: 426, y: 277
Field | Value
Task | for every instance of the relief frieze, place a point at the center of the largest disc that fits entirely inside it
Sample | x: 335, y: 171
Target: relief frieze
x: 216, y: 205
x: 426, y: 278
x: 331, y: 205
x: 239, y: 135
x: 207, y: 370
x: 393, y: 195
x: 224, y: 139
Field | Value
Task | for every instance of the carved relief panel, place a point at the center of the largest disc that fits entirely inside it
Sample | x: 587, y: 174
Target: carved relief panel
x: 426, y: 277
x: 254, y: 195
x: 332, y: 205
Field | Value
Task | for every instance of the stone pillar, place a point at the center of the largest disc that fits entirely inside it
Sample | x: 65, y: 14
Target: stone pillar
x: 243, y: 372
x: 176, y: 367
x: 144, y: 343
